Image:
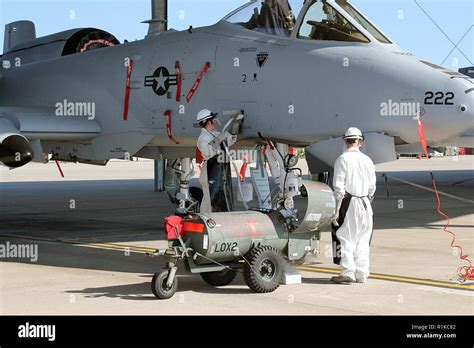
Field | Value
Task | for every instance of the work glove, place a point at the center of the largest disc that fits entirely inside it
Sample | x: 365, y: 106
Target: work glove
x: 336, y: 214
x: 218, y: 140
x: 235, y: 126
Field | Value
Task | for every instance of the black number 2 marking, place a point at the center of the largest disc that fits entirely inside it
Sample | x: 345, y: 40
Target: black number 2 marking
x: 429, y: 96
x: 448, y: 100
x: 439, y: 96
x: 439, y: 99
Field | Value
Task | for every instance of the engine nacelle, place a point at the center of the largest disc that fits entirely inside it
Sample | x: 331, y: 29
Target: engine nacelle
x: 22, y: 46
x: 15, y: 149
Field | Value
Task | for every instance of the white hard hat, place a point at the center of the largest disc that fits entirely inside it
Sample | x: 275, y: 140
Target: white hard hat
x: 205, y: 114
x: 353, y: 133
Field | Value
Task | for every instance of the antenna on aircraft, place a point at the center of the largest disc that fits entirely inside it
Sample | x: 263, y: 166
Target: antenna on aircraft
x: 159, y: 18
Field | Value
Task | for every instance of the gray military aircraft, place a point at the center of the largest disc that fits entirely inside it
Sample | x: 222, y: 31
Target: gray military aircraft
x: 302, y: 80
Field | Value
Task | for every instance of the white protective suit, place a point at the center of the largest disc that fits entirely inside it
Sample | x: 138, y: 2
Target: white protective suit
x: 354, y: 173
x: 208, y: 151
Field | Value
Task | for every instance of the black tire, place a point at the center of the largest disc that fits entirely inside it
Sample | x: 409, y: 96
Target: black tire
x: 159, y: 288
x: 264, y: 268
x: 220, y: 278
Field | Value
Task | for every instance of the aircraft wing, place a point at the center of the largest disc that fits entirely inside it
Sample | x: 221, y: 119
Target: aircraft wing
x: 45, y: 125
x: 22, y: 130
x: 322, y: 155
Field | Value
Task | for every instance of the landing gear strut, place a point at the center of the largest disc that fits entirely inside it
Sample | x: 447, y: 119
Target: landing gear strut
x: 187, y: 199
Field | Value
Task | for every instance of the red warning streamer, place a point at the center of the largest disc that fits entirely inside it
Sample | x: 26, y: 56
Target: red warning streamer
x: 198, y: 82
x: 180, y: 81
x: 127, y: 90
x: 421, y: 135
x: 60, y: 170
x: 167, y: 114
x: 464, y: 272
x: 243, y: 169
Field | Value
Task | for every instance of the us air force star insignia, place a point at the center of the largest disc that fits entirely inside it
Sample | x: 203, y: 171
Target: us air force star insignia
x: 161, y: 80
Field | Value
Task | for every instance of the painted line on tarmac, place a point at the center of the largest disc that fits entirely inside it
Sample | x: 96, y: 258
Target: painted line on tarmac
x: 428, y: 189
x: 74, y: 241
x: 400, y: 279
x: 93, y: 238
x: 138, y: 249
x: 117, y: 247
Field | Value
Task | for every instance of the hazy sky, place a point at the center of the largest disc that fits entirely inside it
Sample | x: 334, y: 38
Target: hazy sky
x: 404, y: 21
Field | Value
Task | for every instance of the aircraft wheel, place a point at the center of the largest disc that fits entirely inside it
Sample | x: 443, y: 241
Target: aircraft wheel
x: 264, y: 269
x: 159, y: 287
x: 219, y: 278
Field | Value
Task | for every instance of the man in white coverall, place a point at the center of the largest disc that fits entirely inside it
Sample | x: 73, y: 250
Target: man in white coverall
x: 354, y: 187
x: 215, y: 178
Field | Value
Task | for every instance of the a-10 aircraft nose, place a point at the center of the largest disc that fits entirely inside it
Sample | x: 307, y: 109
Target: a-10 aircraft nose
x: 463, y: 100
x: 450, y: 108
x: 466, y: 92
x: 444, y: 100
x: 447, y: 103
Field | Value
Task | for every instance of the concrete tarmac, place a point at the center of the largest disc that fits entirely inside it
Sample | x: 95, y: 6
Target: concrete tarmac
x: 93, y: 226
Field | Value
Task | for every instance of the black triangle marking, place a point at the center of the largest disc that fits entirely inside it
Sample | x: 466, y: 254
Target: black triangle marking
x: 262, y: 59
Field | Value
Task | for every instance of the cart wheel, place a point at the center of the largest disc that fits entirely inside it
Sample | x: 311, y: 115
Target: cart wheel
x: 220, y: 278
x: 264, y: 269
x: 158, y: 285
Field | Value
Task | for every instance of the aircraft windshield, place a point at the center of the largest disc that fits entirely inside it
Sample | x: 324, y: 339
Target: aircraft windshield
x: 323, y: 22
x: 363, y: 21
x: 276, y: 17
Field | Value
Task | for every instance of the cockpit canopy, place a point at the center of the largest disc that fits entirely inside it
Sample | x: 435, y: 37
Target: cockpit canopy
x: 275, y: 17
x: 321, y: 20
